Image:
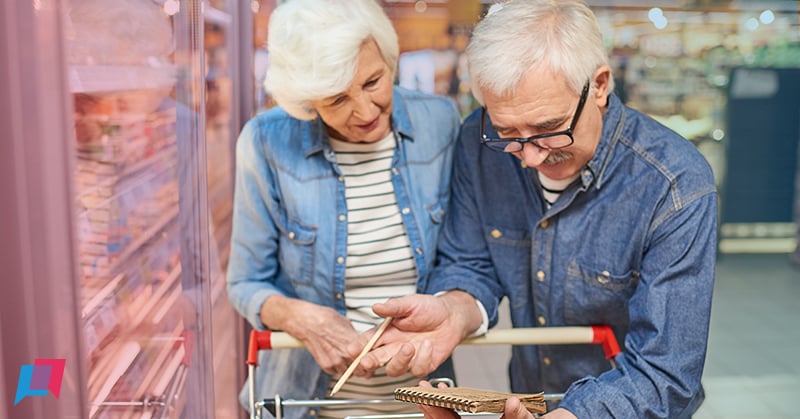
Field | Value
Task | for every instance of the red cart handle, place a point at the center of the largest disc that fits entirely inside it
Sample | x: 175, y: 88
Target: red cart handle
x: 258, y: 340
x: 600, y: 334
x: 603, y: 335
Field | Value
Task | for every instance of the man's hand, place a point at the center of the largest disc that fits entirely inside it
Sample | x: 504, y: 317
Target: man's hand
x: 323, y: 331
x: 425, y: 331
x: 432, y: 412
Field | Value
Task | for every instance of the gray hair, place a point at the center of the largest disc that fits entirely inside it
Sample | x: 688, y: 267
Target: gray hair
x: 560, y: 35
x: 314, y: 45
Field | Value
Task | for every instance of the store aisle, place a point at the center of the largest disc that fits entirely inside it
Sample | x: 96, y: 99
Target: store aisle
x: 753, y: 366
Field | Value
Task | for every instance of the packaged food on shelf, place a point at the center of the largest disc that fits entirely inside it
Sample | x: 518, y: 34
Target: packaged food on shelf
x: 136, y: 300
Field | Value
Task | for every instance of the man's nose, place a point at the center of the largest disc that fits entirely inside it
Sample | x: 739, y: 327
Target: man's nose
x: 532, y: 155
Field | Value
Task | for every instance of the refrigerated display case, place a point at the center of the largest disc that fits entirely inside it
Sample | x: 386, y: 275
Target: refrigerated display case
x: 132, y: 111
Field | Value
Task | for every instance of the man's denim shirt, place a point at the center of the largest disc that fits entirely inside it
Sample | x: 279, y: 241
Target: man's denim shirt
x: 631, y: 244
x: 290, y: 219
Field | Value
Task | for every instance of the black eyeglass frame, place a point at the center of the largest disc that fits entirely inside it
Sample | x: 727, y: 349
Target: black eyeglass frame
x: 534, y: 139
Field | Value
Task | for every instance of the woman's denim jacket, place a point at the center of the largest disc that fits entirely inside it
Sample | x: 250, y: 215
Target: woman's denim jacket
x: 631, y: 243
x: 290, y: 219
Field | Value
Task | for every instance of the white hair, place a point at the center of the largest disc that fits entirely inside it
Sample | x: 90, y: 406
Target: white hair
x: 314, y: 45
x: 522, y: 35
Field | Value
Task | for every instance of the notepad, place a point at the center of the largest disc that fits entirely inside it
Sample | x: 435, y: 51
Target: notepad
x: 470, y: 400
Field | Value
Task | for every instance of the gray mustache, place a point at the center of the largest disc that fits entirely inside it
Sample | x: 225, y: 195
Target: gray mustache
x: 557, y: 157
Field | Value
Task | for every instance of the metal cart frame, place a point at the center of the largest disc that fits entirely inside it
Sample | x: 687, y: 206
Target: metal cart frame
x: 266, y: 340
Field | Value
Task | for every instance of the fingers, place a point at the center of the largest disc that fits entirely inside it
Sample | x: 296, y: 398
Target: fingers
x: 431, y: 412
x: 332, y: 365
x: 376, y: 358
x: 398, y: 364
x: 400, y: 307
x: 394, y: 307
x: 399, y: 359
x: 515, y: 410
x: 357, y: 345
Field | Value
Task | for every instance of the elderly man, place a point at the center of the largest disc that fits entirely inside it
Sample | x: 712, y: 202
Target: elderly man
x: 580, y: 211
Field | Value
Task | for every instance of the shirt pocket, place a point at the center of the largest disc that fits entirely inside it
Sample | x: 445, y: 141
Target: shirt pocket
x: 598, y: 295
x: 510, y: 250
x: 297, y: 251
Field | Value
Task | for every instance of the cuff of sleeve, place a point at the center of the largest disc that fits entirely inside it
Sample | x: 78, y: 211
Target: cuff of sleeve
x: 484, y: 327
x: 590, y: 397
x: 254, y: 308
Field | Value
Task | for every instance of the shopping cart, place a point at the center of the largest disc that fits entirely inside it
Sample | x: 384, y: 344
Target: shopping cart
x: 266, y: 340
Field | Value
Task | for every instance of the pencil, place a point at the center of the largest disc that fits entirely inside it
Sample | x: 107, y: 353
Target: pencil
x: 364, y: 351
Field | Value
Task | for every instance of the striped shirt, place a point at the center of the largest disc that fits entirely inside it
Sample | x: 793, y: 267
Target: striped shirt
x: 552, y: 189
x: 380, y: 263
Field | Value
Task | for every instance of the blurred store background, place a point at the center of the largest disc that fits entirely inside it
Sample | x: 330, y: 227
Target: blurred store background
x: 116, y: 177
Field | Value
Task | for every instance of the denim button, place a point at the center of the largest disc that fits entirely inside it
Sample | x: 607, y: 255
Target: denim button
x: 546, y: 361
x: 406, y: 210
x: 342, y: 217
x: 603, y: 277
x: 544, y: 224
x: 540, y: 275
x: 497, y: 233
x: 541, y: 320
x: 340, y: 260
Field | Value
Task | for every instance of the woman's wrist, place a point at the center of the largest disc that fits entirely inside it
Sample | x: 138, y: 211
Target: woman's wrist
x: 275, y: 312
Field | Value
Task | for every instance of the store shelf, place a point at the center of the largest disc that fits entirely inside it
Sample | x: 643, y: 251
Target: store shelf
x: 109, y: 78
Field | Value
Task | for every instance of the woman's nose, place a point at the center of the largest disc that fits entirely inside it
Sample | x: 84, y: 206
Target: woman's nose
x: 362, y: 107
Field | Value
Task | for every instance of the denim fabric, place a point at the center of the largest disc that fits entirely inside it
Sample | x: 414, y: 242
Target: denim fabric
x: 631, y: 243
x: 290, y: 219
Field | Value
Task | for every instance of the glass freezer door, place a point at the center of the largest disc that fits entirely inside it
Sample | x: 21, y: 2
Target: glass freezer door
x: 115, y: 214
x: 136, y: 78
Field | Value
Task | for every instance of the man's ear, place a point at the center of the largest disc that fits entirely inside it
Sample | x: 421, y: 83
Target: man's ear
x: 601, y: 82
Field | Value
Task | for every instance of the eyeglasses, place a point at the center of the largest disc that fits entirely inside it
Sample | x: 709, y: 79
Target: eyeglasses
x: 547, y: 141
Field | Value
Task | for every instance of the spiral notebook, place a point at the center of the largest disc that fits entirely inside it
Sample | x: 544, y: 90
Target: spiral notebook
x: 470, y: 400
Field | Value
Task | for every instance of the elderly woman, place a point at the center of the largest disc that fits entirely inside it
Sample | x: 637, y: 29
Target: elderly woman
x: 340, y: 194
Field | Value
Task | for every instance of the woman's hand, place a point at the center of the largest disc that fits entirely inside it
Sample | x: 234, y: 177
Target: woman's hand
x: 323, y: 331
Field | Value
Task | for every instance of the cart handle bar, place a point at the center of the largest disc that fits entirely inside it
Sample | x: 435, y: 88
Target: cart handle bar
x: 598, y: 335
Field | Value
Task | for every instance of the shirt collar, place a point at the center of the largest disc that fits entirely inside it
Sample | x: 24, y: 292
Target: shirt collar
x: 613, y: 121
x: 401, y: 122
